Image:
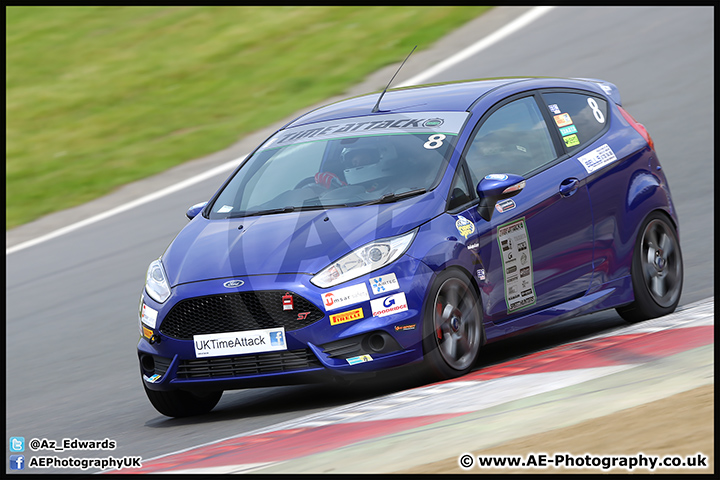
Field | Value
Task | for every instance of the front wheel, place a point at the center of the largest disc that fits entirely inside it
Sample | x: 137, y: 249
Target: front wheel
x: 452, y: 329
x: 179, y: 403
x: 657, y: 271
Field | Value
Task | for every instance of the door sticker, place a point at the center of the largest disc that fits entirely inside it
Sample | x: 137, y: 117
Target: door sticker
x: 597, y: 158
x: 517, y: 265
x: 464, y: 226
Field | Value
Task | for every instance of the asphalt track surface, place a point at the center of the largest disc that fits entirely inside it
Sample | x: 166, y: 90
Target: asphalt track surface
x: 71, y: 329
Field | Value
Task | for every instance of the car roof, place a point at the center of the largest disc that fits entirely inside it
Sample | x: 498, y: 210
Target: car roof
x: 445, y: 97
x: 456, y: 96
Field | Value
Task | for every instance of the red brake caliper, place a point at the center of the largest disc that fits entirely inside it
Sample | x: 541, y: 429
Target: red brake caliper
x: 439, y: 309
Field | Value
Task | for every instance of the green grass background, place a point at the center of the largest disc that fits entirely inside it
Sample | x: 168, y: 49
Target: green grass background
x: 101, y: 96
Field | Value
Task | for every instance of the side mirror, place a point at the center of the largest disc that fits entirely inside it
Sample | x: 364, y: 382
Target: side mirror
x: 496, y: 187
x: 194, y: 210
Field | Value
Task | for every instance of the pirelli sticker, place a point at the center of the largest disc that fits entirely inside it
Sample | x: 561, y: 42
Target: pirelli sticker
x: 339, y: 318
x: 517, y: 265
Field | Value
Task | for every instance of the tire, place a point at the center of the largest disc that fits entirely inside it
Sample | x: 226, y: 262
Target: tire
x: 657, y: 271
x: 179, y: 403
x: 452, y: 327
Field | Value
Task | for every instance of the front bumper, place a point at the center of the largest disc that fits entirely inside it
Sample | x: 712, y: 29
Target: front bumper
x: 315, y: 352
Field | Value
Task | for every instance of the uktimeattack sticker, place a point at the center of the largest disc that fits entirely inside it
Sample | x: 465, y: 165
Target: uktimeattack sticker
x: 345, y: 296
x: 433, y: 123
x: 239, y: 343
x: 464, y: 226
x: 516, y: 257
x: 384, y: 283
x: 597, y: 158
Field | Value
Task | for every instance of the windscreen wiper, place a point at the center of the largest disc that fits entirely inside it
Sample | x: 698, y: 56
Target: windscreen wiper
x: 287, y: 209
x: 270, y: 211
x: 394, y: 197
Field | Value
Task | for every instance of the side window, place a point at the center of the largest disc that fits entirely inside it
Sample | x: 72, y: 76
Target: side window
x: 578, y: 117
x: 513, y: 139
x: 459, y: 192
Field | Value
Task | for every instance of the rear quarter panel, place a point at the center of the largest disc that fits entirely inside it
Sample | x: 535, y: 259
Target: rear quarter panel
x: 622, y: 195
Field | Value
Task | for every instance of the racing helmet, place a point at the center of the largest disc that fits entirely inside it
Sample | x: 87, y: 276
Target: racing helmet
x: 363, y: 163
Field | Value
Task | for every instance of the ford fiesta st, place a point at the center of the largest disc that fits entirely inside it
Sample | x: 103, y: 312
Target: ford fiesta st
x: 364, y: 236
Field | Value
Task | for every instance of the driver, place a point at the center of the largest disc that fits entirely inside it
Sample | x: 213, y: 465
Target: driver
x: 355, y: 162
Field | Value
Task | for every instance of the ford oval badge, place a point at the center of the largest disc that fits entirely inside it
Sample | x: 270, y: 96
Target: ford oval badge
x: 233, y: 284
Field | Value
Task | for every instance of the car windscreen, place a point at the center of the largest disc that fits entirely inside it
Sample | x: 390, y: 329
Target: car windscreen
x: 347, y: 162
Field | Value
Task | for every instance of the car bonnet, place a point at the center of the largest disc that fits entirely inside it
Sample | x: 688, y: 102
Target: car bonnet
x: 288, y: 243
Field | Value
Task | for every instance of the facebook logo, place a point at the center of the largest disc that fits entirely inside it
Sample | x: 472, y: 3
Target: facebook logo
x: 276, y: 339
x: 17, y: 444
x: 17, y: 462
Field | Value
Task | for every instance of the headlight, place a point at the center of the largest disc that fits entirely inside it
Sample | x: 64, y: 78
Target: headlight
x: 365, y: 259
x: 156, y: 283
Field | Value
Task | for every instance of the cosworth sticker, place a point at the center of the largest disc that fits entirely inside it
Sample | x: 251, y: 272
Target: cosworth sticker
x: 345, y: 296
x: 238, y: 343
x: 382, y: 307
x: 517, y: 265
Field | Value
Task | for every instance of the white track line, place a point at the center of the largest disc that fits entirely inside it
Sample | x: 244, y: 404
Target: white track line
x: 130, y: 205
x: 486, y: 42
x: 512, y: 27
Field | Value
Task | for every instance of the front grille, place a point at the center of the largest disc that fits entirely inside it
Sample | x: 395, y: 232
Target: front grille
x: 273, y: 362
x: 237, y: 312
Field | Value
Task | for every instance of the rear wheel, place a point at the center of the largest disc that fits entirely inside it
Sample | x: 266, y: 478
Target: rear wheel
x: 452, y: 330
x: 179, y: 403
x: 657, y: 271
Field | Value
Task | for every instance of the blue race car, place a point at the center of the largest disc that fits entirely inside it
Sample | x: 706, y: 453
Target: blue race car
x: 365, y: 236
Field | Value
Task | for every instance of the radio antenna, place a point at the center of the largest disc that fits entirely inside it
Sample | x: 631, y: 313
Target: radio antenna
x: 377, y: 105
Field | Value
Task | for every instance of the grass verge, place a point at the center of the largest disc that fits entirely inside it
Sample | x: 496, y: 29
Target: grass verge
x: 97, y: 97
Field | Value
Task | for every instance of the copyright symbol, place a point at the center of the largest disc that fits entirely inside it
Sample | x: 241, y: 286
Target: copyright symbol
x: 466, y: 460
x: 34, y: 444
